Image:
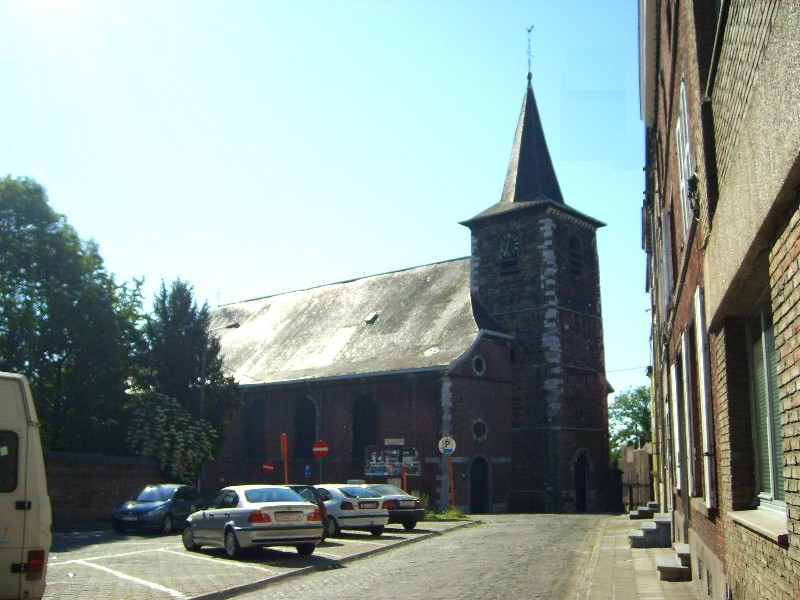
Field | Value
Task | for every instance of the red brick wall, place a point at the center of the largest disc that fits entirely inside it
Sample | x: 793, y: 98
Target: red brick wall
x: 86, y: 487
x: 785, y: 284
x: 408, y: 407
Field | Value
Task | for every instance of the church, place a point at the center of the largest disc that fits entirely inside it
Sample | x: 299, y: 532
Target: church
x: 478, y: 382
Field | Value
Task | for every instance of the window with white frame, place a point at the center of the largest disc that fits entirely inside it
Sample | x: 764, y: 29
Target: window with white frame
x: 693, y: 433
x: 766, y: 408
x: 683, y: 147
x: 704, y: 400
x: 665, y: 287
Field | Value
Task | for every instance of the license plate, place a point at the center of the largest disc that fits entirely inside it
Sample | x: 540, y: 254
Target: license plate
x: 407, y: 503
x: 368, y: 505
x: 289, y: 516
x: 129, y: 519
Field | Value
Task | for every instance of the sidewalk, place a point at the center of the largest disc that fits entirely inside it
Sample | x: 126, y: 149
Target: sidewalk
x: 617, y: 571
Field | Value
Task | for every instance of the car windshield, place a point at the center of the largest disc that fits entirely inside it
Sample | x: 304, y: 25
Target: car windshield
x: 359, y: 492
x: 388, y: 490
x: 153, y: 493
x: 258, y: 495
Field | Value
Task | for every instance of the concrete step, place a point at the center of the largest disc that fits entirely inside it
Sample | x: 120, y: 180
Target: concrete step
x: 670, y: 568
x: 642, y: 512
x: 663, y: 523
x: 650, y: 530
x: 683, y: 553
x: 636, y: 538
x: 653, y: 504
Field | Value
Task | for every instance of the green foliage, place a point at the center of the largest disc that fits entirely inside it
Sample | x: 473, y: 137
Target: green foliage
x: 629, y: 419
x: 163, y: 430
x: 182, y: 360
x: 64, y: 322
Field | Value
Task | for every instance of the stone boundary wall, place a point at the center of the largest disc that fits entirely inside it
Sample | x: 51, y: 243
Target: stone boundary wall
x: 84, y: 488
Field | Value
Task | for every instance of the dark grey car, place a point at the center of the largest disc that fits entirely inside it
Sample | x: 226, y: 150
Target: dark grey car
x: 159, y: 506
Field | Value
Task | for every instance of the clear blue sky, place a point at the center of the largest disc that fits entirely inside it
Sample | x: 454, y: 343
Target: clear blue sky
x: 257, y: 147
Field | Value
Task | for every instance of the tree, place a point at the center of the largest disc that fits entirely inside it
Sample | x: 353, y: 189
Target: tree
x: 161, y: 429
x: 629, y: 419
x: 64, y: 322
x: 183, y: 360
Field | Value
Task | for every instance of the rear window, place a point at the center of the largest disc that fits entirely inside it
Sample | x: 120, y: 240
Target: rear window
x: 9, y: 461
x: 153, y: 493
x: 388, y: 490
x: 272, y: 495
x: 359, y: 492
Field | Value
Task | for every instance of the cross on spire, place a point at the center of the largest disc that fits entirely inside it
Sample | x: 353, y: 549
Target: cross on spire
x: 530, y: 56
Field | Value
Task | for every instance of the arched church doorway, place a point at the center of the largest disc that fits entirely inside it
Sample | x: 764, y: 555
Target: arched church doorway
x: 479, y: 486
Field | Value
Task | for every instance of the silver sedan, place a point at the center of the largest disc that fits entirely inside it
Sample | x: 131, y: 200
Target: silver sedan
x: 353, y: 507
x: 246, y: 516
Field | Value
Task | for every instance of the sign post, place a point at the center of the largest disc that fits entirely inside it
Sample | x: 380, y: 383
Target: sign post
x: 447, y: 446
x: 285, y: 454
x: 320, y: 450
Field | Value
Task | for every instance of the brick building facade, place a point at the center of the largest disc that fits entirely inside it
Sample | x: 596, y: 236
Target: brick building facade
x: 721, y: 102
x: 502, y: 351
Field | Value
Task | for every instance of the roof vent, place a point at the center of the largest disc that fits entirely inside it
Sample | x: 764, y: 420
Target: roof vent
x: 371, y: 318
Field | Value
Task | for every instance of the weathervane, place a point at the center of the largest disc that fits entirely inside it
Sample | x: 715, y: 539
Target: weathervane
x: 529, y: 50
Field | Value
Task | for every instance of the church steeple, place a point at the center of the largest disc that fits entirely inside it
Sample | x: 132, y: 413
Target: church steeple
x: 530, y: 178
x: 530, y: 174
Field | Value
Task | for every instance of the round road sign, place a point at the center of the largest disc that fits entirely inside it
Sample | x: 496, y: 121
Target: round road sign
x: 267, y: 467
x: 447, y: 445
x: 320, y: 449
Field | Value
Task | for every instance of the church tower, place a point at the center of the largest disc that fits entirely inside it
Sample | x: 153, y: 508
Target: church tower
x: 534, y: 268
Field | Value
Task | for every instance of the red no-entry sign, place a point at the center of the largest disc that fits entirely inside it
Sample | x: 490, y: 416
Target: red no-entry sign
x: 267, y: 467
x: 320, y: 449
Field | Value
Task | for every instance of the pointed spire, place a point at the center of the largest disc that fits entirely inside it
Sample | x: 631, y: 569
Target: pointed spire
x: 530, y: 175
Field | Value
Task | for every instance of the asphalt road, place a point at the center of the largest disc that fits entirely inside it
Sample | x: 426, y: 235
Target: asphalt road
x: 498, y: 556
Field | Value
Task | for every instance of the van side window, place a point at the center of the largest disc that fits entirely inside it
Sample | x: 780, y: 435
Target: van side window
x: 9, y: 450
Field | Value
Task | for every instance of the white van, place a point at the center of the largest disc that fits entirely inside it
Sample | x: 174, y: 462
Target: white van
x: 25, y: 516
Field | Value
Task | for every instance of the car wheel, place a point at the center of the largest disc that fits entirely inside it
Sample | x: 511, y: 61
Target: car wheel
x: 188, y: 539
x: 376, y: 531
x: 166, y: 525
x: 232, y: 548
x: 305, y: 549
x: 118, y: 528
x: 409, y: 525
x: 332, y: 528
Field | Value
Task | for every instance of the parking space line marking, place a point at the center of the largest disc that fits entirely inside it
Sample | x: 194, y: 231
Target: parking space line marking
x: 218, y: 561
x: 149, y: 584
x: 78, y: 560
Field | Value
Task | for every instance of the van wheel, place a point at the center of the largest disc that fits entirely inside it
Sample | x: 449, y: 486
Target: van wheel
x: 166, y: 525
x: 188, y: 539
x: 232, y: 548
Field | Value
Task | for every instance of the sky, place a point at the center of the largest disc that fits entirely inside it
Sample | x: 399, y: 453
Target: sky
x: 256, y: 147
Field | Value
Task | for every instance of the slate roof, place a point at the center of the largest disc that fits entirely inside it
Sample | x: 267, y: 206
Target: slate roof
x: 415, y: 319
x: 530, y: 176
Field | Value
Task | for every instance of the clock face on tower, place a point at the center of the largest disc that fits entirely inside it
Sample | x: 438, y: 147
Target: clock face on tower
x: 509, y: 245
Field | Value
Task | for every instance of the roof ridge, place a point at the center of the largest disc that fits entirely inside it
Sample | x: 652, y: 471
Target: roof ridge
x: 343, y: 282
